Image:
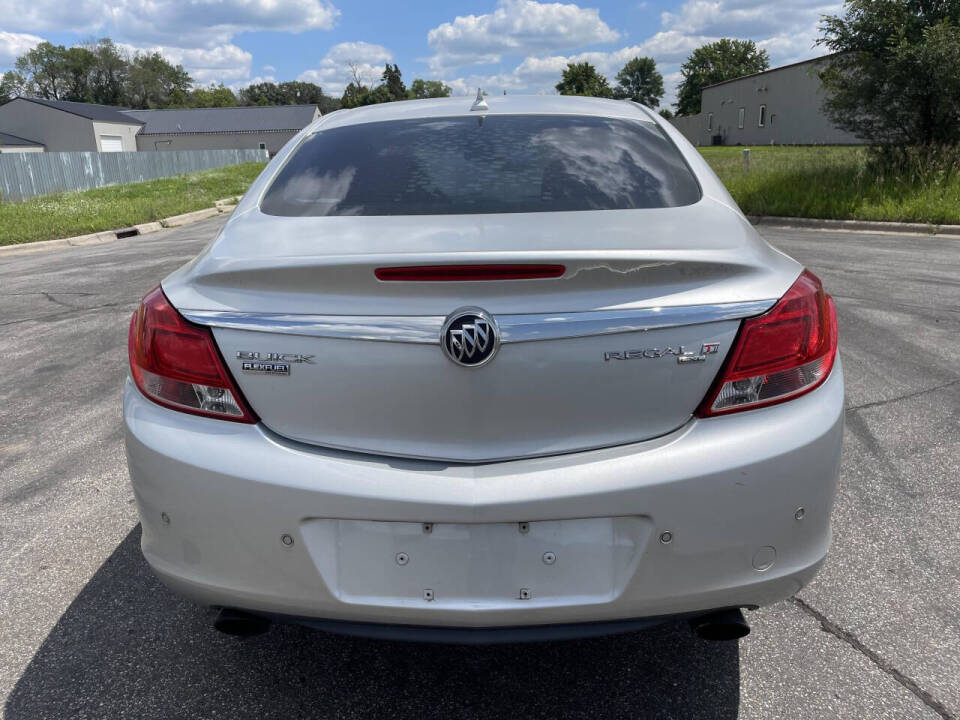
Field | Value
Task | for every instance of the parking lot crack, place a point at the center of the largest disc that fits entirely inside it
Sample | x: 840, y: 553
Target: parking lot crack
x: 890, y: 304
x: 71, y: 310
x: 884, y: 665
x: 41, y: 292
x: 908, y: 396
x: 52, y: 299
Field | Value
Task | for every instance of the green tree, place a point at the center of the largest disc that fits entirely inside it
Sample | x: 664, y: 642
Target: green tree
x: 178, y: 98
x: 640, y: 81
x: 353, y: 95
x: 392, y: 80
x: 288, y: 93
x: 421, y: 89
x: 152, y: 82
x: 108, y: 73
x: 45, y: 71
x: 12, y: 85
x: 94, y: 72
x: 297, y: 92
x: 583, y: 79
x: 264, y: 93
x: 78, y: 64
x: 896, y: 79
x: 721, y: 60
x: 328, y: 104
x: 359, y: 95
x: 213, y: 96
x: 379, y: 94
x: 666, y: 113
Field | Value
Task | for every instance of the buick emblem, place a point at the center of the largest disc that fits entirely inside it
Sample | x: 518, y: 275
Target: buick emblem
x: 470, y: 337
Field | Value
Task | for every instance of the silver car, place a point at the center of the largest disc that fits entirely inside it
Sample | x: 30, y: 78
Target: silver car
x: 506, y: 370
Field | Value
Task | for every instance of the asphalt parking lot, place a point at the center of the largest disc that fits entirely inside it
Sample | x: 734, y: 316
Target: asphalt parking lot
x: 87, y: 632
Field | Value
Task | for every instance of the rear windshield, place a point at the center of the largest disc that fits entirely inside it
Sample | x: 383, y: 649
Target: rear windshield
x: 493, y: 164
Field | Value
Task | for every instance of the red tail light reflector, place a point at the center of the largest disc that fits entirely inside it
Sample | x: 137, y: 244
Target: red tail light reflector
x: 784, y: 353
x: 468, y: 273
x: 176, y: 363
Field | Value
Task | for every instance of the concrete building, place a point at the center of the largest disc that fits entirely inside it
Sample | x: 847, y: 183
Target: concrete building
x: 14, y: 144
x: 267, y: 127
x: 782, y: 106
x: 61, y: 126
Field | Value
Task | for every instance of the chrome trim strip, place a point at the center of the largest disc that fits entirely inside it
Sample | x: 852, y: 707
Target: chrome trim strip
x: 527, y: 328
x: 513, y: 328
x: 408, y: 329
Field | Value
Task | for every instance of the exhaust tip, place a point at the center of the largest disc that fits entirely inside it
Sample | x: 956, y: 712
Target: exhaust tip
x: 240, y: 624
x: 721, y: 625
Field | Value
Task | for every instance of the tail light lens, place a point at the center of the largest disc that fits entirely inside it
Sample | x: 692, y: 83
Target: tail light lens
x: 468, y: 273
x: 786, y: 352
x: 176, y: 363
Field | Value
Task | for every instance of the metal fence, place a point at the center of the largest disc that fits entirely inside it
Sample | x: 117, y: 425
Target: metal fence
x: 27, y: 175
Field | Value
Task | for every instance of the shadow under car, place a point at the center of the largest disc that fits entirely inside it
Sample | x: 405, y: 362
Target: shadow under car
x: 127, y: 647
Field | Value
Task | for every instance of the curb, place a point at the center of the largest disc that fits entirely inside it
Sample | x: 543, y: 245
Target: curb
x: 190, y: 217
x: 148, y: 228
x: 868, y: 226
x: 226, y: 205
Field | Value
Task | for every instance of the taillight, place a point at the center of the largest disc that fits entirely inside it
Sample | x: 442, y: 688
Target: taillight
x: 786, y: 352
x: 176, y: 363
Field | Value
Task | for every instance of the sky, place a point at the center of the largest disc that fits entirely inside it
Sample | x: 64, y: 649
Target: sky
x: 514, y: 46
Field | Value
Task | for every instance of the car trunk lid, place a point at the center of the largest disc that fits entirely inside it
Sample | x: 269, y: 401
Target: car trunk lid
x: 619, y: 348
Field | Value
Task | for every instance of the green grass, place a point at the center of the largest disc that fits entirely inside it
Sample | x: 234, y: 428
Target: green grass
x: 814, y: 182
x: 831, y: 182
x: 119, y: 206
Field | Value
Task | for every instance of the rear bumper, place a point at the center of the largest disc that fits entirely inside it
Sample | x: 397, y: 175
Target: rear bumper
x: 216, y: 497
x: 453, y: 635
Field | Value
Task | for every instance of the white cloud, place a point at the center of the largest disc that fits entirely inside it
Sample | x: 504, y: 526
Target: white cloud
x: 194, y: 23
x: 81, y: 16
x: 335, y: 69
x: 460, y: 86
x: 241, y: 84
x: 747, y: 18
x: 516, y: 27
x: 671, y: 47
x: 217, y: 21
x: 223, y: 63
x: 13, y: 45
x: 358, y: 52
